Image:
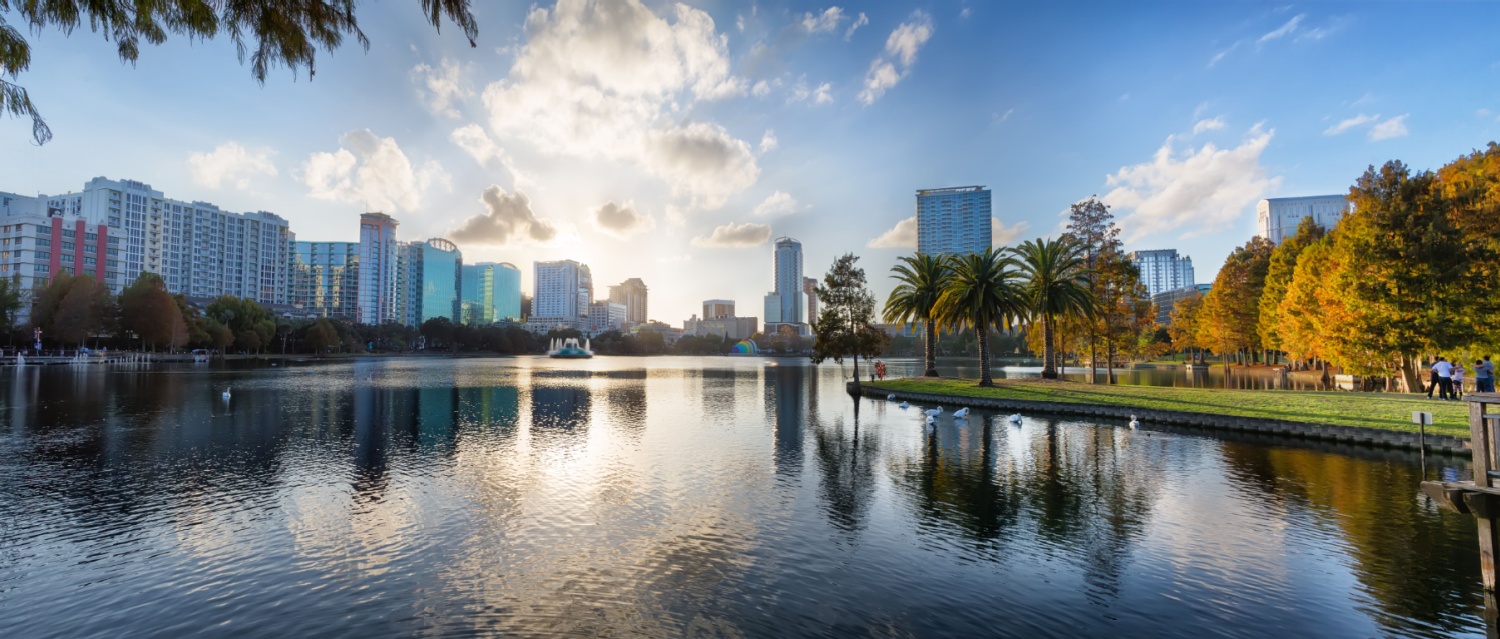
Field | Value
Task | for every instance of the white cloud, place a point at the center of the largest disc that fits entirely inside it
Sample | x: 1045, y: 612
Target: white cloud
x: 1392, y: 128
x: 1218, y: 57
x: 733, y: 235
x: 371, y: 171
x: 778, y: 203
x: 1284, y: 30
x: 1213, y: 124
x: 761, y: 89
x: 902, y: 235
x: 478, y: 144
x: 622, y: 220
x: 1002, y: 235
x: 822, y: 22
x: 610, y: 79
x: 861, y: 21
x: 231, y: 163
x: 441, y: 87
x: 800, y: 92
x: 1001, y: 117
x: 768, y: 142
x: 964, y: 14
x: 902, y: 46
x: 507, y: 219
x: 1192, y: 192
x: 1356, y: 121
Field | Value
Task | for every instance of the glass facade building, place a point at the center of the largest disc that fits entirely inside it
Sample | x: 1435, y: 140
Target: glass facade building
x: 378, y: 300
x: 784, y: 305
x: 442, y: 279
x: 954, y: 221
x: 325, y: 279
x: 491, y: 293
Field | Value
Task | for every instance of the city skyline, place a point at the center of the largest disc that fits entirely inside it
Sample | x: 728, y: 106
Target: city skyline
x: 822, y: 121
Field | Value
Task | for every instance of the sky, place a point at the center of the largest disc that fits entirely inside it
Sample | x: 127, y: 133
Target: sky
x: 675, y: 141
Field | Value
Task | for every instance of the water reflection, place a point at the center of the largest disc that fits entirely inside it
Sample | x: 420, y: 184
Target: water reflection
x: 653, y: 497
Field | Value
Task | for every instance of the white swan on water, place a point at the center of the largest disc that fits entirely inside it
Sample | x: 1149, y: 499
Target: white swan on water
x: 961, y: 413
x: 905, y: 405
x: 934, y: 412
x: 1015, y: 418
x: 1134, y: 422
x: 891, y: 397
x: 226, y: 394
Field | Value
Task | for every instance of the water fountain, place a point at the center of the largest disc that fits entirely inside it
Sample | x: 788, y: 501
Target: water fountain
x: 569, y: 349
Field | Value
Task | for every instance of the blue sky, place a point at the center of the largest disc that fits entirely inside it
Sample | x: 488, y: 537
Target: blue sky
x: 672, y: 141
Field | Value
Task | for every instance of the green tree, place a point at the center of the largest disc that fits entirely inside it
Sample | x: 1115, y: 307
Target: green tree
x: 147, y: 311
x: 1122, y: 305
x: 922, y: 279
x: 1184, y: 326
x: 219, y: 335
x: 1230, y: 315
x: 1310, y: 308
x: 273, y: 33
x: 11, y: 303
x: 321, y: 336
x: 982, y: 294
x: 1093, y: 227
x: 82, y: 311
x: 244, y: 316
x: 45, y: 305
x: 1279, y: 274
x: 1055, y: 284
x: 846, y: 310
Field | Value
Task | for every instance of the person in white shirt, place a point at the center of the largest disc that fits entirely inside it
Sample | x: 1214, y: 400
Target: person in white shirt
x: 1444, y: 371
x: 1458, y: 379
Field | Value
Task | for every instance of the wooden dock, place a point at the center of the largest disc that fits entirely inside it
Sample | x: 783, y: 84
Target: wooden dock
x: 1480, y: 497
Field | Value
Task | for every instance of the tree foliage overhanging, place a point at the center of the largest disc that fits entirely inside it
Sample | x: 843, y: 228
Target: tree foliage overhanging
x: 270, y: 33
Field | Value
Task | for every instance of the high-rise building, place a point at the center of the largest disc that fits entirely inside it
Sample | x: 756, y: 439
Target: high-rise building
x: 379, y: 298
x: 953, y: 220
x: 810, y: 287
x: 491, y: 293
x: 197, y: 248
x: 325, y: 279
x: 784, y: 305
x: 713, y: 309
x: 1163, y: 270
x: 408, y: 288
x: 562, y: 291
x: 1278, y: 217
x: 36, y: 244
x: 1166, y: 301
x: 606, y: 315
x: 442, y: 278
x: 631, y: 293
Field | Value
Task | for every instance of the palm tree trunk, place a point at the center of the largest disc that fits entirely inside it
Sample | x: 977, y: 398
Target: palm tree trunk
x: 931, y: 355
x: 984, y: 357
x: 1093, y: 364
x: 1049, y: 357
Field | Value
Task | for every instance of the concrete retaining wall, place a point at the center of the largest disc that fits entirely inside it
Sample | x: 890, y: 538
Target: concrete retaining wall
x: 1300, y: 430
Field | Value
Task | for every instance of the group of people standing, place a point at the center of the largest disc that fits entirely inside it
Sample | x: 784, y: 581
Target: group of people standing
x: 1447, y: 378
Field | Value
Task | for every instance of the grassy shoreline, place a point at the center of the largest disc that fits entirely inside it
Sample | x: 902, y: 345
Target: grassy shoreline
x: 1363, y: 410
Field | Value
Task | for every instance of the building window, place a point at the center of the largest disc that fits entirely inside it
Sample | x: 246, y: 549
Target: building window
x: 89, y: 261
x: 67, y: 246
x: 68, y: 233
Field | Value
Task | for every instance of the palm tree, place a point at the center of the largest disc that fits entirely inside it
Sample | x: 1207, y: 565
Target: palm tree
x: 1056, y: 284
x: 922, y: 279
x: 982, y: 293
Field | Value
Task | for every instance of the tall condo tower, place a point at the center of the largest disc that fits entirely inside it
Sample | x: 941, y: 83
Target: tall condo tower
x: 1163, y: 270
x: 563, y: 291
x: 1278, y: 217
x: 953, y: 220
x: 377, y: 269
x: 631, y: 293
x: 784, y: 305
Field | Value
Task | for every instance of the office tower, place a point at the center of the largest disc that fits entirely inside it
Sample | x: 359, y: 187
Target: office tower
x: 713, y: 309
x: 784, y: 305
x: 325, y: 279
x: 1278, y: 217
x: 953, y: 220
x: 491, y: 293
x: 1166, y: 301
x: 562, y: 291
x: 1163, y: 270
x: 441, y: 278
x: 606, y: 315
x: 810, y: 287
x: 631, y: 293
x: 408, y: 288
x: 378, y: 248
x: 196, y: 248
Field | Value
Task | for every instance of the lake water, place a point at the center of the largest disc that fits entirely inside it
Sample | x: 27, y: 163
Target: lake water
x: 712, y: 497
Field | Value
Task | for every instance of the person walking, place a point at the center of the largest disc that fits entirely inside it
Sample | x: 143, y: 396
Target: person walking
x: 1444, y: 370
x: 1458, y: 380
x: 1432, y: 378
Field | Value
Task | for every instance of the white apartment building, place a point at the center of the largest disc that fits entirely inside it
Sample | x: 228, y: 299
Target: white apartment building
x: 1163, y: 270
x: 953, y: 220
x: 1278, y: 217
x: 562, y: 291
x: 36, y: 244
x: 196, y: 247
x: 606, y: 315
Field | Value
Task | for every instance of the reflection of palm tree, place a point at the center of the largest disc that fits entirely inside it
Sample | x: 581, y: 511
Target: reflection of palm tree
x: 922, y: 279
x: 1056, y: 284
x: 981, y: 294
x: 950, y: 489
x: 848, y: 472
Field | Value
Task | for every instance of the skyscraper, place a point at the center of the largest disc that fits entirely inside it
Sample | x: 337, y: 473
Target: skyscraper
x: 507, y: 292
x: 953, y: 220
x: 784, y: 305
x: 491, y: 293
x: 1163, y: 270
x: 810, y: 287
x: 325, y: 279
x: 378, y: 294
x: 714, y: 309
x: 631, y: 293
x: 442, y: 278
x: 1278, y: 217
x: 562, y: 291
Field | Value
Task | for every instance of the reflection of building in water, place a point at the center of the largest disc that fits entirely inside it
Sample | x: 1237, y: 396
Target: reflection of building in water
x: 437, y: 408
x: 559, y: 406
x: 625, y: 403
x: 493, y: 407
x: 785, y: 385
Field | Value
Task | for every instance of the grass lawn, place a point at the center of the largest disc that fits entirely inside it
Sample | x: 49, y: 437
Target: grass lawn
x: 1368, y: 410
